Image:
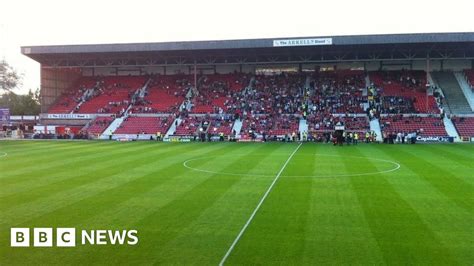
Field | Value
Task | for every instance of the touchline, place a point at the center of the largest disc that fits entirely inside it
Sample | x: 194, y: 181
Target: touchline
x: 66, y: 237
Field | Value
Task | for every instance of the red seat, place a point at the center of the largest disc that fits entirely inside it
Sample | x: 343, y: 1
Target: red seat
x: 146, y: 125
x: 189, y: 126
x: 71, y: 97
x: 464, y: 126
x: 113, y: 95
x: 411, y: 85
x: 98, y: 125
x: 165, y: 94
x: 427, y: 126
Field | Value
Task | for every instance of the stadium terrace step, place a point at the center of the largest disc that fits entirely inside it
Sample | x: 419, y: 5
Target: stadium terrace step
x: 451, y: 129
x: 98, y: 125
x: 452, y: 92
x: 303, y: 126
x: 367, y: 84
x: 144, y: 90
x: 466, y: 88
x: 237, y: 127
x: 375, y: 127
x: 111, y: 128
x: 173, y: 127
x: 307, y: 83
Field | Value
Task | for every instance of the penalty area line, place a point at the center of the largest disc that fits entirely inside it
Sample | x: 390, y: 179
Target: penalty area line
x: 242, y: 231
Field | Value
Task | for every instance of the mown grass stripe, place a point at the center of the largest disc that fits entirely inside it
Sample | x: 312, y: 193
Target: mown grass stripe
x: 62, y: 214
x: 398, y: 229
x: 446, y: 152
x: 450, y: 160
x: 193, y: 238
x: 284, y: 210
x: 196, y: 201
x: 49, y: 160
x: 453, y: 187
x: 60, y: 181
x: 79, y: 188
x: 451, y: 224
x: 341, y: 234
x: 58, y: 172
x: 167, y: 172
x: 242, y: 231
x: 185, y: 217
x: 34, y: 155
x: 116, y: 195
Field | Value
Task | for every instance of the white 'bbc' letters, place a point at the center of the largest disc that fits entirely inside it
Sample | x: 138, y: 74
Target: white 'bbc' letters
x: 43, y: 237
x: 20, y: 237
x: 66, y: 237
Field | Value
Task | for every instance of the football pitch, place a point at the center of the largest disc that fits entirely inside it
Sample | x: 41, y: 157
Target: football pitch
x: 242, y: 203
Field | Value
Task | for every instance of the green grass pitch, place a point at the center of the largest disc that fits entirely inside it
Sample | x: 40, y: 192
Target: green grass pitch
x: 365, y: 204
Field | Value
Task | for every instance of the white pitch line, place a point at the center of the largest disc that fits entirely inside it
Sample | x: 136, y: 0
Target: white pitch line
x: 397, y: 166
x: 4, y: 154
x: 257, y: 208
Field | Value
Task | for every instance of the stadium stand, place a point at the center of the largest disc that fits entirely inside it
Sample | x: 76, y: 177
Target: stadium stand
x: 278, y: 94
x: 98, y: 125
x: 455, y: 98
x: 269, y: 125
x: 144, y: 125
x: 424, y: 126
x: 196, y: 125
x: 218, y: 93
x: 327, y: 122
x: 221, y: 125
x: 72, y: 97
x: 113, y: 95
x: 337, y: 92
x: 269, y: 105
x: 465, y: 126
x: 263, y: 89
x: 165, y: 94
x: 406, y: 89
x: 189, y: 126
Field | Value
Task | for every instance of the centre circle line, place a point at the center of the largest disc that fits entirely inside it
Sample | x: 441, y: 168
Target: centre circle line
x: 395, y: 168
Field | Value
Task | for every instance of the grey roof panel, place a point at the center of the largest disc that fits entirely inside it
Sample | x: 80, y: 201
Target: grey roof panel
x: 249, y: 43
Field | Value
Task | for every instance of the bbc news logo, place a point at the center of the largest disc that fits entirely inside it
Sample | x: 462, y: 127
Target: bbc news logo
x: 66, y: 237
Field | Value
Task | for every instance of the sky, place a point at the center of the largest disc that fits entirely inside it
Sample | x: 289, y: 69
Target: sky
x: 52, y: 22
